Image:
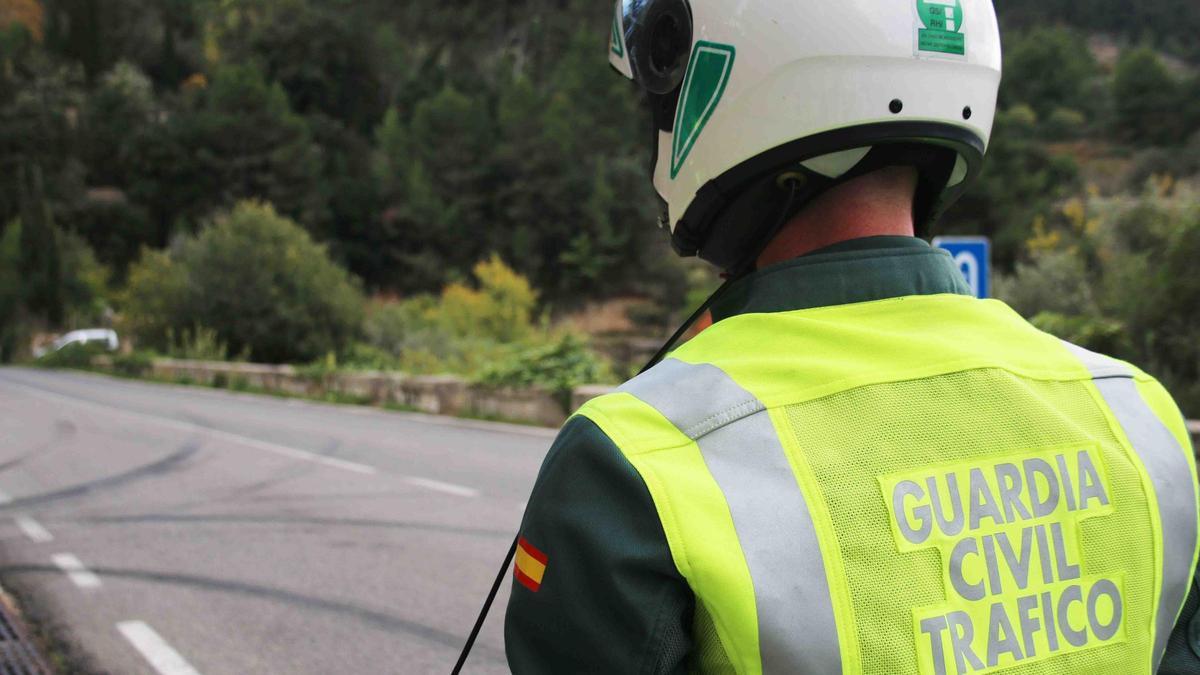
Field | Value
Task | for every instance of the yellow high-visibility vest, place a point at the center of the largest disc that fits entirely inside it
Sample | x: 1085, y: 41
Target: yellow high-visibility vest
x: 923, y: 484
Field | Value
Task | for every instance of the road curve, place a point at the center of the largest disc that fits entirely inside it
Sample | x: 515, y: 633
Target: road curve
x: 179, y: 530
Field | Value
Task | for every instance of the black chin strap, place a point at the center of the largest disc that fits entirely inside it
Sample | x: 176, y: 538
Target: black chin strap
x: 792, y: 185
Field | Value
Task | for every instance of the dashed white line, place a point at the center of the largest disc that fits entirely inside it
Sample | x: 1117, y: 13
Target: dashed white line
x: 282, y: 449
x: 34, y: 530
x: 79, y: 575
x: 267, y: 446
x: 439, y: 486
x: 5, y: 497
x: 154, y: 649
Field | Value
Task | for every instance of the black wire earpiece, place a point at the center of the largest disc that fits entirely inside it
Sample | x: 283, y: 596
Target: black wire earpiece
x: 792, y: 182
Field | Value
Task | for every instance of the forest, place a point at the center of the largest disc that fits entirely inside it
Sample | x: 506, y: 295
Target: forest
x: 452, y: 177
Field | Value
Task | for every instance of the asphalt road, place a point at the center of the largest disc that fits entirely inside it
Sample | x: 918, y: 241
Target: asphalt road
x: 212, y: 532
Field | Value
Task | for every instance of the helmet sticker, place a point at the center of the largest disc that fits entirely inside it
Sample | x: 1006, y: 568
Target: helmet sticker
x: 618, y: 51
x: 617, y: 41
x: 940, y: 28
x: 707, y: 74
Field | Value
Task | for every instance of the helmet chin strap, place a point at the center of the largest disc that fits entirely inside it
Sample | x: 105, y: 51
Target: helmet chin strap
x: 800, y: 186
x: 792, y: 183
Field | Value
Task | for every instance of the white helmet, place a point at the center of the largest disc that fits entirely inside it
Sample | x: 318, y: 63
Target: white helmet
x: 745, y: 94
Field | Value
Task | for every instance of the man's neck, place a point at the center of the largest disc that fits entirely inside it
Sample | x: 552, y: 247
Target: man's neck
x: 869, y: 206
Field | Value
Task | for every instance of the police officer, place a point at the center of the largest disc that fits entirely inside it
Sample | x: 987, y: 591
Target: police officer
x: 858, y: 468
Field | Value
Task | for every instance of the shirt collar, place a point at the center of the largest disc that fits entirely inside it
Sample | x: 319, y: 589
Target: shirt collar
x: 859, y: 270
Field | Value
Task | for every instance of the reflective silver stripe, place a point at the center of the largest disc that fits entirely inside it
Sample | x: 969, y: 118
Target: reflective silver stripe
x: 1169, y: 471
x: 796, y: 628
x: 696, y: 398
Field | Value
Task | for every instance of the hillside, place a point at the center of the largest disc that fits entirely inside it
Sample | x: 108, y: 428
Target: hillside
x: 416, y: 139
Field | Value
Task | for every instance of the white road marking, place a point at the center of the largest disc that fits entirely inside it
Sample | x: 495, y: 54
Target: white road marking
x: 154, y: 649
x: 246, y: 441
x: 34, y: 530
x: 284, y: 450
x: 80, y: 575
x: 439, y: 486
x: 5, y: 497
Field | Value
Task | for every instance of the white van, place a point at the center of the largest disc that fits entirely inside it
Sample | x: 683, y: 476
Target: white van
x: 105, y: 336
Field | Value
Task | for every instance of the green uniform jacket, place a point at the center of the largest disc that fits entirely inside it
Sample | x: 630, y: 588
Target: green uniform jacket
x: 610, y: 599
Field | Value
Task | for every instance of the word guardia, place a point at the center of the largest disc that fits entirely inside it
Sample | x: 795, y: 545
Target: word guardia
x: 1007, y: 533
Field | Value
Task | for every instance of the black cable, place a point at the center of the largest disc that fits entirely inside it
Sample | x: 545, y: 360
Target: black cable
x: 670, y: 343
x: 487, y: 606
x: 736, y: 274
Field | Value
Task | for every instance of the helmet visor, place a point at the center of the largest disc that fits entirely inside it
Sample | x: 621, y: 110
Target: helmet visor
x: 650, y: 42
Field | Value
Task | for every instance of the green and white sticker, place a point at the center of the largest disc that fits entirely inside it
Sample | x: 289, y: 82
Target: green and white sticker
x: 617, y: 43
x: 940, y: 27
x: 707, y: 74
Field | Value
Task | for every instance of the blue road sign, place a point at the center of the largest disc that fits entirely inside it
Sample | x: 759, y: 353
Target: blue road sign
x: 973, y: 255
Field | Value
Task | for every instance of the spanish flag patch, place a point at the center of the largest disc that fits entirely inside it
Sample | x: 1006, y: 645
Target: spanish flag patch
x: 531, y: 565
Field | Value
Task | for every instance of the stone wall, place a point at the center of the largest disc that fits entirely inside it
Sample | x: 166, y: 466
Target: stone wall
x: 435, y: 394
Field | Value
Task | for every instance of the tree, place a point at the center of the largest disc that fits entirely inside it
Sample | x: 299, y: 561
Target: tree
x: 254, y: 277
x: 96, y: 34
x: 1173, y: 24
x: 236, y: 139
x: 27, y: 13
x: 123, y: 102
x: 38, y: 109
x: 38, y: 262
x: 350, y: 220
x: 1046, y: 68
x: 439, y: 181
x: 10, y: 291
x: 1149, y: 101
x: 318, y: 53
x: 1116, y: 275
x: 1020, y: 181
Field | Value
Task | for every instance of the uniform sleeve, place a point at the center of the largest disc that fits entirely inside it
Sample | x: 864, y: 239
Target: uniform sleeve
x: 1183, y: 647
x: 610, y: 599
x: 1183, y: 651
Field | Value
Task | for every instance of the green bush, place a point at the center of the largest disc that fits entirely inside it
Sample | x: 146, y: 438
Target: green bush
x: 1064, y: 123
x: 254, y: 278
x: 72, y: 356
x: 133, y: 364
x: 199, y: 343
x: 398, y: 326
x: 1118, y: 275
x: 500, y: 308
x: 559, y: 366
x: 463, y: 329
x: 363, y: 356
